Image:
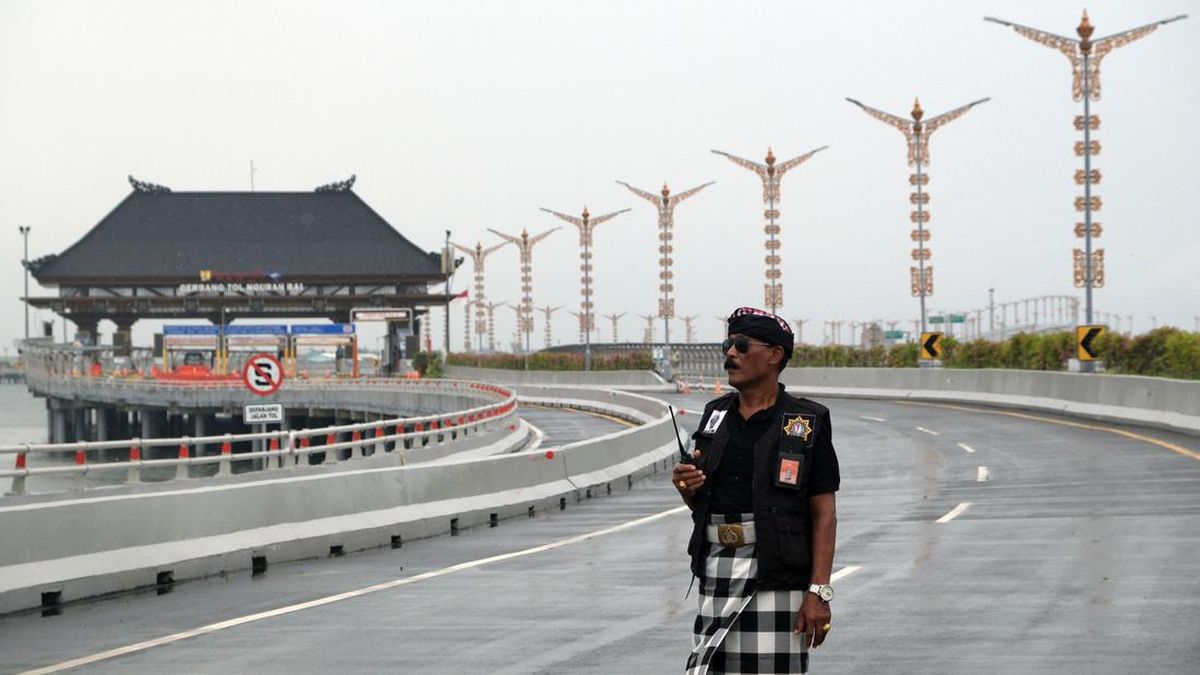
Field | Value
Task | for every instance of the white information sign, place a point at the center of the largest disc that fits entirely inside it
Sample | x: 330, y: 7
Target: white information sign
x: 262, y: 413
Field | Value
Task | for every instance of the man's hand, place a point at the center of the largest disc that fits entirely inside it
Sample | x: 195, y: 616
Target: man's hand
x: 811, y: 620
x: 688, y: 478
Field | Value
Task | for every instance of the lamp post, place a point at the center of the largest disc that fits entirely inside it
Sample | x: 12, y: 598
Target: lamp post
x: 448, y: 270
x: 549, y: 311
x: 772, y: 175
x: 525, y: 244
x: 478, y: 256
x: 666, y: 204
x: 614, y: 318
x: 587, y: 227
x: 1085, y: 55
x: 24, y: 229
x: 800, y: 331
x: 688, y: 335
x: 917, y: 134
x: 648, y: 336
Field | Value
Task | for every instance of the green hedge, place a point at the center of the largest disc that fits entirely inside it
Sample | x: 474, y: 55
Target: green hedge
x: 554, y: 361
x: 1165, y: 352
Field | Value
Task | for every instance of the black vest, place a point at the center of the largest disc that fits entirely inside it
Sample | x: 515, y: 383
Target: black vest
x: 782, y: 521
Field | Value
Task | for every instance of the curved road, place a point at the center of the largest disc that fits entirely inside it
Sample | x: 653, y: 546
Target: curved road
x: 1064, y: 545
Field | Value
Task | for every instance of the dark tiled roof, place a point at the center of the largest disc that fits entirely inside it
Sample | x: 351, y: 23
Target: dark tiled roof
x: 297, y: 234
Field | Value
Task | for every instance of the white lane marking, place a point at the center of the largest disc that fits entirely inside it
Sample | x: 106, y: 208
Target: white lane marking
x: 982, y: 475
x: 844, y: 572
x: 966, y: 447
x: 330, y: 599
x: 931, y: 432
x: 954, y: 513
x: 870, y: 418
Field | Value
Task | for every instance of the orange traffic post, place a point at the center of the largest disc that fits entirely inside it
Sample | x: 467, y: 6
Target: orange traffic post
x: 18, y: 481
x: 135, y: 463
x: 181, y: 469
x: 225, y: 467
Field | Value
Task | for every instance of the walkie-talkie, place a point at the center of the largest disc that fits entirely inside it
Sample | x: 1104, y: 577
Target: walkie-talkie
x: 684, y: 457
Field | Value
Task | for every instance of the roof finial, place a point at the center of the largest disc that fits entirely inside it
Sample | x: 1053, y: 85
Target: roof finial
x: 150, y: 188
x: 666, y: 191
x: 585, y: 214
x: 917, y: 112
x: 770, y: 156
x: 339, y: 186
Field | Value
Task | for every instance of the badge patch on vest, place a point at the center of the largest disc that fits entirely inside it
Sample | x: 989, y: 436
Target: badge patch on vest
x: 714, y: 422
x: 799, y: 426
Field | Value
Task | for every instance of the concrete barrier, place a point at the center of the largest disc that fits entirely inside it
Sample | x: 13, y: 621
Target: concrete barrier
x: 1130, y: 399
x: 627, y: 380
x: 83, y: 547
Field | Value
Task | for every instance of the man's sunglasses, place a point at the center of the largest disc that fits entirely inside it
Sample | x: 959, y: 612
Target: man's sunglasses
x: 741, y: 344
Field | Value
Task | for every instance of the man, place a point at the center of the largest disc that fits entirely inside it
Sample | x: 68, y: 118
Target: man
x: 761, y: 488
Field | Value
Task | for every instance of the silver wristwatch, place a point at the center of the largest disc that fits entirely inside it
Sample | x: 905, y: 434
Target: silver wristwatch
x: 822, y: 591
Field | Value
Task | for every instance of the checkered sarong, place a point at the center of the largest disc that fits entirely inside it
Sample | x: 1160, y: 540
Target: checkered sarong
x: 739, y: 629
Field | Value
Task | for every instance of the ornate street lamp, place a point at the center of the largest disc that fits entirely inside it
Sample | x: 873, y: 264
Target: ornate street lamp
x: 525, y: 244
x: 614, y: 318
x: 666, y: 204
x: 1085, y: 55
x: 586, y: 225
x: 549, y: 311
x: 478, y: 255
x: 772, y: 175
x: 917, y: 134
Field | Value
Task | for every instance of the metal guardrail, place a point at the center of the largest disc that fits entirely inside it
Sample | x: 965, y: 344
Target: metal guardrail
x: 285, y: 448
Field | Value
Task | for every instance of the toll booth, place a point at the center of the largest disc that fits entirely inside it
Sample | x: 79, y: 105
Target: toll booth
x: 323, y: 350
x: 188, y: 352
x: 240, y: 342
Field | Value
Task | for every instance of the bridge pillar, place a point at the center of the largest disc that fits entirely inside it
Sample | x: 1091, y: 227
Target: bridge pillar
x: 103, y: 423
x: 86, y: 328
x: 123, y: 335
x: 153, y: 422
x: 200, y: 427
x: 58, y: 425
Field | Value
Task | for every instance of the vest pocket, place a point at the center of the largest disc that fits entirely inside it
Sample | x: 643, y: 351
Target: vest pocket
x: 793, y: 539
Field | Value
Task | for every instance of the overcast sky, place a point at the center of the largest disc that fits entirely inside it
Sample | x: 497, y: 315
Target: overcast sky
x: 469, y: 115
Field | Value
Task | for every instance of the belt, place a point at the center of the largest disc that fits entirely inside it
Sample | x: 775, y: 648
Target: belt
x: 732, y: 535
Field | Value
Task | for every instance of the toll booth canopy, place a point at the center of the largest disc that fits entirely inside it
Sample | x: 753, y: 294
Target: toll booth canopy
x: 240, y: 342
x: 319, y: 350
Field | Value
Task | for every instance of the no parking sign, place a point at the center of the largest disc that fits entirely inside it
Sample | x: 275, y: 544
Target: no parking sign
x: 263, y: 374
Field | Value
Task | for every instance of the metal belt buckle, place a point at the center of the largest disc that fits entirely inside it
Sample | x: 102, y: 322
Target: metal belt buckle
x: 731, y: 536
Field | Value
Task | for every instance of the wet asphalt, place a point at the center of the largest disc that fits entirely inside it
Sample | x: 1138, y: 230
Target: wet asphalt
x: 1077, y: 553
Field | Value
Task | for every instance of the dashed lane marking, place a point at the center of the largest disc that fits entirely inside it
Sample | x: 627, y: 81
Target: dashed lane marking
x: 954, y: 513
x: 1178, y: 449
x: 330, y: 599
x: 844, y: 572
x: 966, y: 447
x: 871, y: 418
x: 981, y: 475
x: 931, y: 432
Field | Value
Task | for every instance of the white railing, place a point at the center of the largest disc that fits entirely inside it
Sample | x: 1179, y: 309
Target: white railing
x: 285, y: 449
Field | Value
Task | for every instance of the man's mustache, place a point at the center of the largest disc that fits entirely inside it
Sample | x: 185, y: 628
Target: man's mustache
x: 729, y: 364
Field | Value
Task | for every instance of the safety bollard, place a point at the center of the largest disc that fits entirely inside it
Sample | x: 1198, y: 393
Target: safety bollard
x: 380, y: 446
x: 418, y: 427
x: 18, y: 481
x: 331, y: 455
x: 225, y: 467
x: 81, y: 461
x: 135, y: 462
x: 356, y: 449
x: 181, y: 469
x: 273, y: 446
x: 399, y: 443
x: 305, y: 444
